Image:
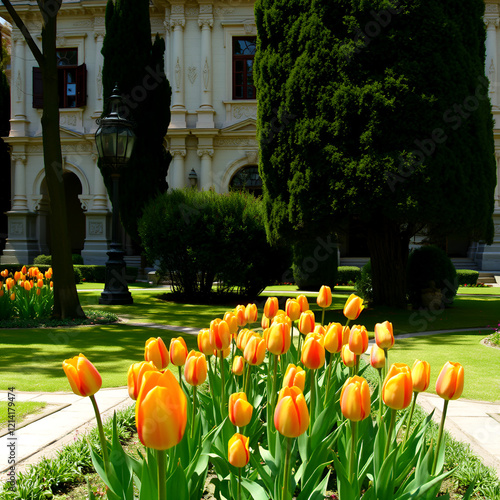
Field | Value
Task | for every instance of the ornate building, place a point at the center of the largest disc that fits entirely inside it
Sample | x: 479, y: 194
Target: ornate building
x: 210, y: 45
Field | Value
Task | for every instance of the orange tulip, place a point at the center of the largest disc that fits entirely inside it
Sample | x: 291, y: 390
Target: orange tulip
x: 377, y: 357
x: 358, y: 340
x: 353, y: 307
x: 135, y: 375
x: 178, y: 351
x: 38, y: 291
x: 40, y: 276
x: 450, y: 382
x: 271, y: 307
x: 240, y: 410
x: 27, y: 285
x: 291, y: 416
x: 161, y: 411
x: 23, y: 269
x: 255, y: 350
x: 238, y: 365
x: 240, y: 314
x: 278, y: 339
x: 420, y: 375
x: 225, y: 352
x: 195, y: 370
x: 346, y: 333
x: 204, y: 344
x: 83, y: 376
x: 232, y: 322
x: 304, y: 304
x: 324, y: 298
x: 306, y: 322
x: 10, y: 283
x: 220, y: 336
x: 251, y: 313
x: 355, y: 399
x: 320, y: 329
x: 384, y: 336
x: 238, y: 453
x: 39, y: 283
x: 242, y: 339
x: 292, y: 309
x: 157, y: 352
x: 398, y: 388
x: 313, y: 351
x: 5, y: 273
x: 17, y: 276
x: 13, y: 296
x: 48, y: 274
x: 348, y: 357
x: 334, y: 337
x: 294, y: 376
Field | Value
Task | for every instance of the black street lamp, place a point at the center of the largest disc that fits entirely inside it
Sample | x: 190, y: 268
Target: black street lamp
x: 115, y: 141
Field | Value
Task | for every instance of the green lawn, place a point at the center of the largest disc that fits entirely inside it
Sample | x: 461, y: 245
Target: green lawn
x: 489, y: 290
x: 481, y: 363
x: 100, y: 286
x: 21, y: 410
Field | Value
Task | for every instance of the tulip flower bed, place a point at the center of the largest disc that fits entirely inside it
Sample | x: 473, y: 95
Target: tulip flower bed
x: 26, y: 294
x: 275, y: 420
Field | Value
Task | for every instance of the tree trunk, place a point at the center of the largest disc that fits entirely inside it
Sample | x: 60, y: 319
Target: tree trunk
x: 66, y: 303
x: 388, y: 246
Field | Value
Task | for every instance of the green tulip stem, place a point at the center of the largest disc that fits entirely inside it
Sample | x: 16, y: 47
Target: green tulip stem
x: 328, y: 376
x: 323, y: 317
x: 299, y: 354
x: 222, y: 393
x: 389, y: 433
x: 162, y: 483
x: 291, y: 331
x: 239, y: 483
x: 352, y: 458
x: 386, y: 366
x: 194, y: 411
x: 275, y: 376
x: 410, y: 415
x: 440, y: 435
x: 380, y: 399
x: 247, y: 383
x: 104, y: 444
x: 356, y: 364
x: 312, y: 401
x: 180, y: 378
x: 347, y: 323
x: 286, y: 472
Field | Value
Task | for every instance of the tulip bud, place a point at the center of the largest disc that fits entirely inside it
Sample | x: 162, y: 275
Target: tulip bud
x: 355, y: 399
x: 220, y: 336
x: 306, y: 322
x: 348, y: 357
x: 13, y: 296
x: 240, y: 314
x: 204, y: 344
x: 83, y: 376
x: 242, y: 339
x: 377, y: 357
x: 195, y: 370
x: 294, y: 376
x: 238, y: 365
x: 5, y: 273
x: 420, y: 375
x: 291, y: 416
x: 334, y: 337
x: 232, y: 322
x: 161, y: 411
x: 238, y: 453
x: 303, y: 303
x: 255, y: 350
x: 292, y: 309
x: 346, y: 333
x: 398, y: 388
x: 358, y: 340
x: 384, y: 336
x: 240, y: 410
x: 135, y: 376
x: 23, y: 269
x: 271, y: 307
x: 157, y: 352
x: 324, y: 298
x: 278, y: 339
x: 265, y: 322
x: 251, y: 313
x: 353, y: 307
x: 27, y: 285
x: 17, y: 276
x: 313, y: 351
x: 450, y: 382
x: 39, y: 283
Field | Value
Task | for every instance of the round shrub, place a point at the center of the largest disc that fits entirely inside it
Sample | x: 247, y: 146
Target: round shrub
x: 431, y: 278
x: 313, y: 265
x: 364, y: 285
x: 42, y: 260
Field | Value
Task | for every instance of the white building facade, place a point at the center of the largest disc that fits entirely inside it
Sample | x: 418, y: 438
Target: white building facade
x: 212, y: 135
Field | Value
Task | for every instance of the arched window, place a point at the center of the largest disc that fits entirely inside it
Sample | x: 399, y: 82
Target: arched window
x: 247, y: 179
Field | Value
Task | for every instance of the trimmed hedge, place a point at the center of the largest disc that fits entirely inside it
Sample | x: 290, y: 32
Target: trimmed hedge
x: 364, y: 285
x: 47, y: 259
x: 467, y: 277
x: 348, y: 274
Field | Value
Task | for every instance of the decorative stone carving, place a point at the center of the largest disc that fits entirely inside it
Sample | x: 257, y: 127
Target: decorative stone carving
x: 70, y: 120
x: 34, y: 25
x: 492, y: 76
x: 235, y: 142
x: 491, y: 8
x: 60, y: 41
x: 206, y: 74
x: 19, y: 157
x: 205, y: 152
x: 84, y: 23
x: 252, y: 156
x: 19, y: 86
x: 178, y: 152
x: 177, y: 22
x: 16, y: 229
x: 491, y: 22
x: 99, y: 21
x: 191, y: 11
x: 178, y: 74
x: 192, y: 74
x: 497, y: 229
x: 96, y: 228
x: 250, y: 27
x: 223, y: 11
x: 99, y: 82
x: 177, y: 9
x: 206, y: 9
x: 156, y: 24
x: 245, y: 111
x: 204, y: 22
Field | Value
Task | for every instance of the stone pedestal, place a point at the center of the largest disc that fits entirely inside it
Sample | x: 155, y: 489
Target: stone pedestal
x: 97, y: 239
x: 21, y: 246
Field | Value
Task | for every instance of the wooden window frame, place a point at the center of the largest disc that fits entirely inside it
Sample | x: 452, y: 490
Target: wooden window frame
x: 244, y: 58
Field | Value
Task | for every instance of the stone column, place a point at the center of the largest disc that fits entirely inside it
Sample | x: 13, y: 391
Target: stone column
x: 167, y: 56
x: 18, y: 88
x: 206, y: 111
x: 491, y: 56
x: 177, y: 23
x: 100, y: 201
x: 99, y: 60
x: 206, y: 173
x: 177, y: 169
x: 19, y: 200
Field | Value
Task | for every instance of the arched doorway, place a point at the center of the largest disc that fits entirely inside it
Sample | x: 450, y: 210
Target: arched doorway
x: 248, y: 179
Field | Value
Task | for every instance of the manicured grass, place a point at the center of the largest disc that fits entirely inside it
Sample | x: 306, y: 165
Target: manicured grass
x: 489, y: 290
x: 32, y: 358
x: 21, y: 410
x: 100, y: 286
x: 482, y: 377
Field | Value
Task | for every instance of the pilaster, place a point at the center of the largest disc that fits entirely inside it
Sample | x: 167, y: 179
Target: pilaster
x: 18, y: 122
x: 206, y: 111
x: 177, y: 24
x: 491, y: 21
x: 19, y: 199
x: 206, y: 172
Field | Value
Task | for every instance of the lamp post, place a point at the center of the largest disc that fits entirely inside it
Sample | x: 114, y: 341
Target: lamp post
x: 193, y: 178
x: 115, y: 142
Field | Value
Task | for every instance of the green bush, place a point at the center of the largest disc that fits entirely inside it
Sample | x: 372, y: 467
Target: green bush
x: 47, y: 259
x: 467, y: 277
x: 200, y: 238
x: 348, y: 274
x: 430, y: 271
x: 364, y: 285
x: 312, y: 269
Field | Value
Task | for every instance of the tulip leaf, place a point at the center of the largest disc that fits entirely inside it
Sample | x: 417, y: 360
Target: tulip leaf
x: 383, y: 480
x: 344, y: 486
x: 256, y: 491
x: 148, y: 477
x: 320, y: 490
x: 310, y: 485
x: 177, y: 486
x: 420, y: 491
x: 302, y: 442
x: 268, y: 479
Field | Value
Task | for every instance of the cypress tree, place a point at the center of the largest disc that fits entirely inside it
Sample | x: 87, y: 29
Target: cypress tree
x: 383, y: 116
x: 137, y: 66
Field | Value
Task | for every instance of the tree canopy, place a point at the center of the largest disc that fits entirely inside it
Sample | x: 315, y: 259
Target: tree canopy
x: 377, y: 110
